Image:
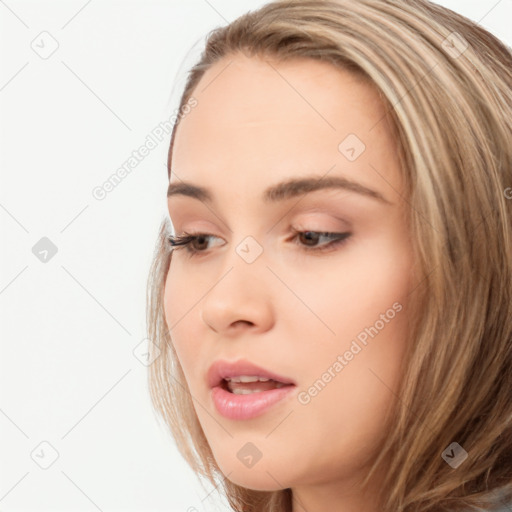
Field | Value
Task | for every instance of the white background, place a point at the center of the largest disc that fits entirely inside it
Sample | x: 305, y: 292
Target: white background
x: 69, y: 326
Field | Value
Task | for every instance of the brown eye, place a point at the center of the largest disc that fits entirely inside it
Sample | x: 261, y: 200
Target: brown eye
x: 199, y: 243
x: 310, y: 239
x: 193, y: 243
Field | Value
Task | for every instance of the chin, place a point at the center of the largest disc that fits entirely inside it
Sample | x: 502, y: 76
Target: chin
x: 262, y: 482
x: 255, y: 478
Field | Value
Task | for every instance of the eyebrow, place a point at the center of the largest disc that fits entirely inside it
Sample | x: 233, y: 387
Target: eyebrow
x: 282, y: 191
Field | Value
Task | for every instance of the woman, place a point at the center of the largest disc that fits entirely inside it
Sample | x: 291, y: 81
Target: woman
x: 332, y: 301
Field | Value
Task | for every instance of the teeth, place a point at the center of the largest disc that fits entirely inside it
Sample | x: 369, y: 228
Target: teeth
x: 249, y: 391
x: 247, y: 378
x: 242, y: 391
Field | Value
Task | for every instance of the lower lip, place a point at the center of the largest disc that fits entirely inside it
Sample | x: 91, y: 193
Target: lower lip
x: 245, y: 407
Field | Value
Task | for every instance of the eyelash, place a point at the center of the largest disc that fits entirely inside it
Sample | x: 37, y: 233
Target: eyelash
x: 184, y: 241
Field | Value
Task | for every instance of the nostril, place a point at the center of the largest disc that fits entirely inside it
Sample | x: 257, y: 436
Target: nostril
x: 242, y: 322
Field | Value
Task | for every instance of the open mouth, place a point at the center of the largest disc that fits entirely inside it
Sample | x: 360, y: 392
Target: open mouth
x: 249, y: 385
x: 237, y: 400
x: 242, y: 390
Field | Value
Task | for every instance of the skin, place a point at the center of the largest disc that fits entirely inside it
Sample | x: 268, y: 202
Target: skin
x: 291, y: 311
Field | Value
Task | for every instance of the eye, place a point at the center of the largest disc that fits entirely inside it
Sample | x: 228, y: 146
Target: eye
x: 188, y: 240
x: 307, y: 240
x: 311, y: 239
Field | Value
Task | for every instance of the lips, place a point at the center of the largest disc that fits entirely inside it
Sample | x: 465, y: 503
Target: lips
x: 222, y: 369
x: 246, y: 400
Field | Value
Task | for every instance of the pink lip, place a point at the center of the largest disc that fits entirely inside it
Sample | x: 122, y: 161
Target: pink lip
x: 222, y: 369
x: 243, y: 407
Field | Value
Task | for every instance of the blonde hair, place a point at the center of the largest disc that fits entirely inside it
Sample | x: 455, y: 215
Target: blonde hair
x: 446, y: 84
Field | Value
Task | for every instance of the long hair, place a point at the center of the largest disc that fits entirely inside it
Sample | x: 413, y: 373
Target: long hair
x: 447, y: 87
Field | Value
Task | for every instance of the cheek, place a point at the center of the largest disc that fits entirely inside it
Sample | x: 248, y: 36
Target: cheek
x: 179, y: 297
x: 380, y: 275
x: 369, y: 311
x: 352, y: 292
x: 348, y: 411
x: 368, y: 384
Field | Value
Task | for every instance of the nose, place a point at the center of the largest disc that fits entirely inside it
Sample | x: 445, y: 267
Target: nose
x: 240, y: 299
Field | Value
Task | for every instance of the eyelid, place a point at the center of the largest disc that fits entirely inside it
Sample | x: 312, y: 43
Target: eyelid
x: 306, y: 220
x: 323, y: 214
x: 337, y: 239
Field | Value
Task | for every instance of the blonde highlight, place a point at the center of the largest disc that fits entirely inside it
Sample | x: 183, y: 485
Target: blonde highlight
x: 461, y: 228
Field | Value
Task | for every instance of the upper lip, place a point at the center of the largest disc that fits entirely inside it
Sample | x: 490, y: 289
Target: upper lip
x: 222, y: 369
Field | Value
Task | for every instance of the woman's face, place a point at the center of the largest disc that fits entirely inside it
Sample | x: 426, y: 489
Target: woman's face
x: 331, y: 321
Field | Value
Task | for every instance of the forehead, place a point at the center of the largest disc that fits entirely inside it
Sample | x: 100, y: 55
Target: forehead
x: 258, y: 120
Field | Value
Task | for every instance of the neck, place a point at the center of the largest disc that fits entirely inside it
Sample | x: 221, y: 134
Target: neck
x: 340, y: 495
